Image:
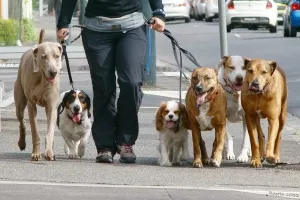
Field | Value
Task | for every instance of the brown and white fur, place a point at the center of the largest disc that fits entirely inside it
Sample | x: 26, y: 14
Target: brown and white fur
x: 231, y: 74
x: 173, y: 144
x: 38, y: 83
x: 206, y: 107
x: 74, y: 121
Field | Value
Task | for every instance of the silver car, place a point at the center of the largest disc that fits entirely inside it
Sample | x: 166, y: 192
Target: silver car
x: 177, y: 9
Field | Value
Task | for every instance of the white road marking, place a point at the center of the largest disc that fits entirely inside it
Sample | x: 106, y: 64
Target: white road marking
x: 237, y: 35
x: 176, y: 74
x: 290, y: 194
x: 169, y: 94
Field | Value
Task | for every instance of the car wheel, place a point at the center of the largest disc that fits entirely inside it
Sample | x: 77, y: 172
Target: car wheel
x: 293, y: 32
x: 273, y: 29
x: 187, y: 20
x: 209, y: 19
x: 229, y: 29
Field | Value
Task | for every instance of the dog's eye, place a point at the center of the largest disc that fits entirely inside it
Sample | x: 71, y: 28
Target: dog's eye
x: 206, y: 77
x: 244, y: 67
x: 250, y: 71
x: 56, y: 56
x: 232, y: 67
x: 176, y: 112
x: 43, y: 56
x: 194, y: 78
x: 263, y: 72
x: 166, y: 111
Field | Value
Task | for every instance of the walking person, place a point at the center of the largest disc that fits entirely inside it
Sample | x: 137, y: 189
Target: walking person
x: 114, y: 38
x: 54, y: 8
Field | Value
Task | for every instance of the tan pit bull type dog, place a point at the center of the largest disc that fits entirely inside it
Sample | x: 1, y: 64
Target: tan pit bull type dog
x: 38, y: 83
x: 264, y: 95
x: 206, y: 106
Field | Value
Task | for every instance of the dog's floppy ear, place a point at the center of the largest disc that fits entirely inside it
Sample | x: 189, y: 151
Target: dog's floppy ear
x: 159, y: 119
x: 246, y: 62
x: 36, y: 67
x: 184, y: 117
x: 88, y: 103
x: 273, y: 66
x: 222, y: 61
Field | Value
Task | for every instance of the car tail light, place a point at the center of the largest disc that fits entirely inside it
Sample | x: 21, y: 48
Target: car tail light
x: 230, y: 5
x: 182, y: 4
x: 269, y: 5
x: 295, y: 6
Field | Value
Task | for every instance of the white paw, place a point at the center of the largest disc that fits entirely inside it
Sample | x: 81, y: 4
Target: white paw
x: 73, y: 156
x: 165, y: 163
x: 243, y: 157
x: 230, y: 155
x: 215, y: 163
x: 177, y: 163
x: 81, y: 150
x: 184, y: 157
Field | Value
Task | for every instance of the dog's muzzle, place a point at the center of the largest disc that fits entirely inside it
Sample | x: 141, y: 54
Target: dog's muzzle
x: 254, y: 86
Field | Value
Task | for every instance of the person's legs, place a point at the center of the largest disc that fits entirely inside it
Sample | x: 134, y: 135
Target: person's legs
x: 100, y: 53
x: 130, y: 54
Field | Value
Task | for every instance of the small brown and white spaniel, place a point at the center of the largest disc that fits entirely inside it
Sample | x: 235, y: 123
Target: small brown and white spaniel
x: 172, y: 124
x: 74, y: 121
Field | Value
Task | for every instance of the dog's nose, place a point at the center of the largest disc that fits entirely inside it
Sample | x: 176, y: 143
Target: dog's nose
x: 76, y: 109
x: 52, y: 73
x: 239, y: 79
x: 255, y: 83
x: 171, y: 116
x: 199, y: 88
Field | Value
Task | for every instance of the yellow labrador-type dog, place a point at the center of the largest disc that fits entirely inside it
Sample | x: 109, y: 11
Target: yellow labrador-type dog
x: 264, y: 95
x: 38, y: 83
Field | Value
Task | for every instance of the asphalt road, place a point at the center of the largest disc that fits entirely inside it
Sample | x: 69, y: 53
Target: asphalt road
x: 82, y: 179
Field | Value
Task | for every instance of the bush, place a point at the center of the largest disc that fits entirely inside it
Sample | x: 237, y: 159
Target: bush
x: 9, y: 31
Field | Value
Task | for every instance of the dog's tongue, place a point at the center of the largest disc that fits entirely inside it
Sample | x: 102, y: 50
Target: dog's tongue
x: 76, y: 118
x: 170, y: 124
x: 238, y: 87
x: 51, y: 80
x: 201, y: 98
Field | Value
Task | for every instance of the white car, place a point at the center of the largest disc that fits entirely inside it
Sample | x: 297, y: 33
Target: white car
x: 199, y: 6
x: 251, y: 14
x: 211, y: 10
x: 177, y: 9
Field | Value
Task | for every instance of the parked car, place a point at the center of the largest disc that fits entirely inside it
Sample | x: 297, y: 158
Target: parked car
x: 251, y: 14
x: 177, y: 9
x: 281, y: 10
x: 291, y: 19
x: 199, y: 9
x: 211, y: 10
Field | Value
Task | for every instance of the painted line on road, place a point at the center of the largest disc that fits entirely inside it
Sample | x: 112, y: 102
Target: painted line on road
x: 291, y: 194
x: 237, y: 35
x: 166, y: 93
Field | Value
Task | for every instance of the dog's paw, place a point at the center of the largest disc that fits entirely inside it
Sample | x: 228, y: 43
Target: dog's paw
x: 271, y: 159
x: 22, y: 144
x: 230, y: 155
x: 256, y: 163
x: 73, y: 156
x: 206, y: 161
x: 177, y: 163
x: 36, y: 157
x: 197, y: 164
x: 243, y: 157
x: 215, y: 163
x: 49, y: 155
x: 81, y: 151
x: 165, y: 163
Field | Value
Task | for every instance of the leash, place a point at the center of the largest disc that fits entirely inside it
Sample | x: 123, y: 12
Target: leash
x: 175, y: 46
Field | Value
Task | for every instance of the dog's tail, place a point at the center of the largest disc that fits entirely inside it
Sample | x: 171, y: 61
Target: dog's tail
x: 42, y: 35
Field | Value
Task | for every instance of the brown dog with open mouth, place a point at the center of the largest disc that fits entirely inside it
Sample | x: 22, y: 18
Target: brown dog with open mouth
x: 264, y: 95
x: 206, y: 107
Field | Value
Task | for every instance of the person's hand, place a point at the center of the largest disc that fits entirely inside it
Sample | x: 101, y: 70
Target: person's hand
x: 63, y: 34
x: 51, y: 13
x: 159, y: 25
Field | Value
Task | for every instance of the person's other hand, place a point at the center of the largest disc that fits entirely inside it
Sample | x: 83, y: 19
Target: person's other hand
x: 51, y: 13
x: 63, y: 34
x: 159, y: 25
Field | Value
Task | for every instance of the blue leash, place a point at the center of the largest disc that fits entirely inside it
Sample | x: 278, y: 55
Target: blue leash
x: 149, y: 51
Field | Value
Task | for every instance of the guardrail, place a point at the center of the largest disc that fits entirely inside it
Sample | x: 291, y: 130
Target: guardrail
x: 6, y: 98
x: 9, y: 55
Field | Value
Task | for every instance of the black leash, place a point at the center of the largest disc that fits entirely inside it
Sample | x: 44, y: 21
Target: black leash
x: 190, y: 56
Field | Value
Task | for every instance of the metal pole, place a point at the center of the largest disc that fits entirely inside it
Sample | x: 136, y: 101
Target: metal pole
x: 41, y: 8
x: 223, y: 28
x: 150, y: 79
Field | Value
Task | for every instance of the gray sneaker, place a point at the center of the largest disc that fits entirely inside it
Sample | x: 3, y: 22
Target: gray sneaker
x: 127, y: 154
x: 104, y: 156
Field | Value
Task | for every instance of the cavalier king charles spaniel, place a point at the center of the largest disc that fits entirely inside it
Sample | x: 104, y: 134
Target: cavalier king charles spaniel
x: 172, y: 124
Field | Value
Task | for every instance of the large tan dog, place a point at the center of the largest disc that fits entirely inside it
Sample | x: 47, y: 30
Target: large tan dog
x: 206, y: 106
x: 38, y: 83
x: 264, y: 95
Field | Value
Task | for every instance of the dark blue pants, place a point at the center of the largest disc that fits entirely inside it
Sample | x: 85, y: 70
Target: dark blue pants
x: 125, y: 53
